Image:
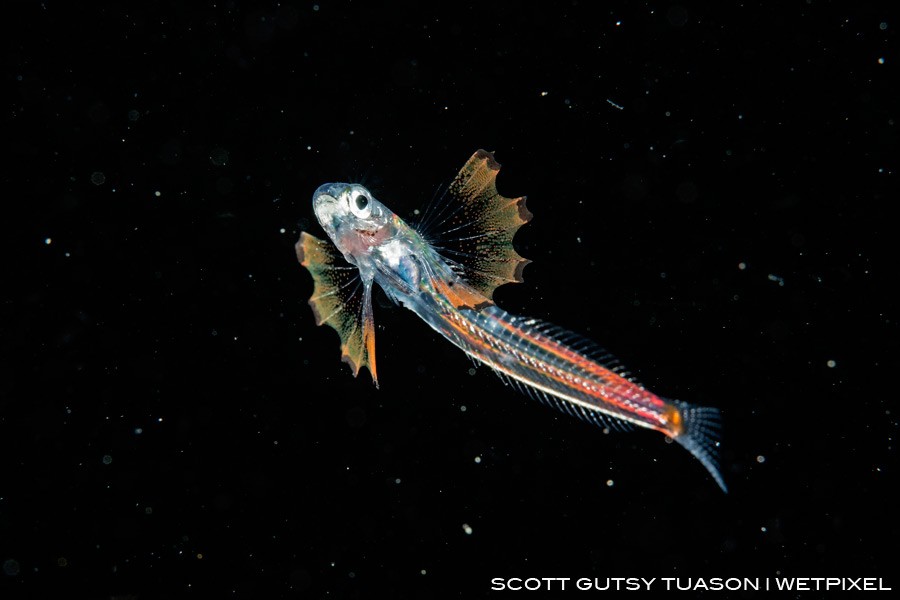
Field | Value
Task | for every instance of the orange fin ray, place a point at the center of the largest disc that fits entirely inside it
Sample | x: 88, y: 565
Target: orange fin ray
x: 475, y: 229
x: 341, y: 300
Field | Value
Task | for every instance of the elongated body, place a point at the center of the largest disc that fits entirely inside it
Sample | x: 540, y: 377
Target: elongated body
x: 449, y: 284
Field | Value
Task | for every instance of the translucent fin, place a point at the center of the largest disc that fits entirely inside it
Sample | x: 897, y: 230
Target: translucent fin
x: 578, y: 343
x: 341, y: 300
x: 474, y: 227
x: 700, y: 431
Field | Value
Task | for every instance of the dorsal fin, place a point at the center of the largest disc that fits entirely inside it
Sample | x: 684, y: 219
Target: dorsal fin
x: 475, y: 226
x: 341, y: 300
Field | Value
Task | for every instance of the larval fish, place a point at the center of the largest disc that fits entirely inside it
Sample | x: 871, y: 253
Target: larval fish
x: 448, y: 280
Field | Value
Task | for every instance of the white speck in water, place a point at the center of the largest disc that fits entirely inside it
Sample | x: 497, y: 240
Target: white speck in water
x: 48, y: 241
x: 397, y: 481
x: 422, y: 571
x: 309, y: 147
x: 159, y: 420
x: 779, y: 279
x: 462, y: 408
x: 760, y: 459
x: 742, y: 265
x: 763, y: 529
x: 138, y: 431
x: 831, y: 364
x: 618, y: 23
x: 316, y: 9
x: 544, y: 94
x: 157, y: 193
x: 882, y: 26
x: 478, y: 460
x: 467, y: 529
x: 281, y: 230
x: 610, y: 483
x: 107, y: 459
x: 881, y: 60
x: 98, y: 178
x: 471, y: 370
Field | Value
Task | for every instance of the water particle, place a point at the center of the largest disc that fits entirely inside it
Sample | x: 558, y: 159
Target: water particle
x: 467, y: 529
x: 763, y: 529
x: 471, y: 370
x: 133, y: 115
x: 780, y: 280
x: 742, y: 265
x: 462, y: 408
x: 881, y: 61
x: 477, y: 460
x: 157, y: 193
x: 316, y: 9
x: 422, y: 571
x: 610, y: 483
x: 760, y: 459
x: 138, y: 431
x: 218, y: 156
x: 397, y: 481
x: 544, y: 94
x: 98, y: 178
x: 62, y: 561
x: 882, y: 26
x: 148, y: 510
x: 281, y: 230
x: 309, y: 147
x: 107, y: 459
x: 48, y: 241
x: 618, y: 23
x: 831, y: 364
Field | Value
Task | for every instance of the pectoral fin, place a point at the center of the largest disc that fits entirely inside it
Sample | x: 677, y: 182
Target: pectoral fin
x: 474, y: 228
x: 342, y: 300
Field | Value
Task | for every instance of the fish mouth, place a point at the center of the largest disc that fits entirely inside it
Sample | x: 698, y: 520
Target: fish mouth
x: 326, y: 206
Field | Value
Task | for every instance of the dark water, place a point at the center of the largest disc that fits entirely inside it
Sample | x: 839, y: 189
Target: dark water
x: 711, y: 198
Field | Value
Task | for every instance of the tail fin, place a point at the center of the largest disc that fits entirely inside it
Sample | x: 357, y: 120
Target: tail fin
x: 700, y: 434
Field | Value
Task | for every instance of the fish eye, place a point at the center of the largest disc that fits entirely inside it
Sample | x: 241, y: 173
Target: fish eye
x: 360, y: 206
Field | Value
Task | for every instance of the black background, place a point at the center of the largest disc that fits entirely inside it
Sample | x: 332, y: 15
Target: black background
x: 172, y: 422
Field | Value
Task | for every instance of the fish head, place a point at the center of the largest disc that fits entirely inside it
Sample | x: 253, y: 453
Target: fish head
x: 351, y: 216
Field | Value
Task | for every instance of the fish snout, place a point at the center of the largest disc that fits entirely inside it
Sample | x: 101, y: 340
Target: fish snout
x: 326, y: 205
